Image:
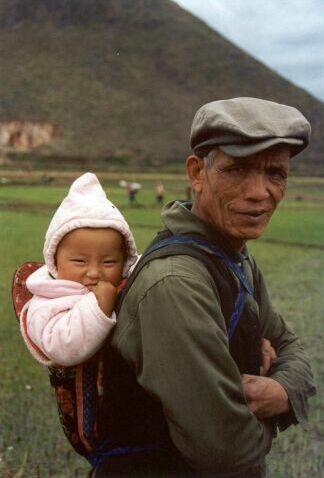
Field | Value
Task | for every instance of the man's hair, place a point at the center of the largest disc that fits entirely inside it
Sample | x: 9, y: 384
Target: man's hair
x: 210, y: 157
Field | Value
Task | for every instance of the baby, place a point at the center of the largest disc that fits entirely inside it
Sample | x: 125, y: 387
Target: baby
x: 88, y: 250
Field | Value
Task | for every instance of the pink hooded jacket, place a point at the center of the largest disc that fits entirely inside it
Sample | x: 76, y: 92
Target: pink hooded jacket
x: 63, y: 324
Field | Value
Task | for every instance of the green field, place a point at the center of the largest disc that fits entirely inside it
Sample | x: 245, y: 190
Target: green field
x: 291, y: 255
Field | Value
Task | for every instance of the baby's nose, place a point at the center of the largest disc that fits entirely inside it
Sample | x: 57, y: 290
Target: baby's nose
x: 93, y: 271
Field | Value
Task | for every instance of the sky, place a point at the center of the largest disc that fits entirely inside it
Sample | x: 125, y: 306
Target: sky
x: 286, y: 35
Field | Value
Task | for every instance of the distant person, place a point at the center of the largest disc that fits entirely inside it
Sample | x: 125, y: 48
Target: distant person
x: 133, y: 189
x: 47, y: 179
x: 88, y: 250
x: 190, y: 327
x: 159, y: 193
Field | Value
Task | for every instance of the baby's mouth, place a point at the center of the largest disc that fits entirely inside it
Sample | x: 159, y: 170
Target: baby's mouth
x: 90, y: 285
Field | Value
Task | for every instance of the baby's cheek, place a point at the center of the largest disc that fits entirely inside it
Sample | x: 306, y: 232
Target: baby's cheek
x: 114, y: 276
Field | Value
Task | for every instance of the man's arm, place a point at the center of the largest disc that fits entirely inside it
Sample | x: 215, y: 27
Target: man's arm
x: 177, y: 342
x: 290, y: 380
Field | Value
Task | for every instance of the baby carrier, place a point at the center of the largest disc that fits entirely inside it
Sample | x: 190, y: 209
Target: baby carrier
x: 79, y: 390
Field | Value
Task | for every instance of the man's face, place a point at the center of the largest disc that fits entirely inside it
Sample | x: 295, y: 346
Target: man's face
x: 238, y: 196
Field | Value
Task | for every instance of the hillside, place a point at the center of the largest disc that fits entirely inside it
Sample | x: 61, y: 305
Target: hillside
x: 122, y: 79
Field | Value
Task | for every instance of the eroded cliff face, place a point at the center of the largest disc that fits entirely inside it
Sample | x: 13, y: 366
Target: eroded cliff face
x: 24, y: 136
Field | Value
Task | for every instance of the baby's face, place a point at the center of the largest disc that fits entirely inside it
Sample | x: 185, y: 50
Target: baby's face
x: 90, y: 255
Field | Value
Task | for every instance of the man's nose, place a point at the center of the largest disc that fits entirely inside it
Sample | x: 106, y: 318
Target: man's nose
x: 256, y: 186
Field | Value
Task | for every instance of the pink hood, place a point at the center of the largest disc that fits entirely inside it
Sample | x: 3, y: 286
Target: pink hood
x: 86, y: 205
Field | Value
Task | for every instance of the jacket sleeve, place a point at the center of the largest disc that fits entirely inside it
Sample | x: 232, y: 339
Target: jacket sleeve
x: 291, y: 369
x: 177, y: 342
x: 65, y: 331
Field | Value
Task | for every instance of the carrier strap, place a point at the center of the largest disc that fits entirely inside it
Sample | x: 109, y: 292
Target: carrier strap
x: 202, y: 249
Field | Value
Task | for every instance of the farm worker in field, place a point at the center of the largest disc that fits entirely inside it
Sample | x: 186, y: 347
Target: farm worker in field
x: 133, y: 189
x: 159, y: 193
x: 88, y: 250
x: 201, y: 399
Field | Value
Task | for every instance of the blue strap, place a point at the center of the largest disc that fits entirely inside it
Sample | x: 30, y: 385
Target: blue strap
x: 98, y: 455
x: 236, y: 315
x: 245, y: 287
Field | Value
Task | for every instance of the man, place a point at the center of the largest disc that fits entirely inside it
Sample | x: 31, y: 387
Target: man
x: 198, y: 410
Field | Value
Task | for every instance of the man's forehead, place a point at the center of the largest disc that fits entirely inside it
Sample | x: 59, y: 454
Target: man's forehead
x: 277, y: 155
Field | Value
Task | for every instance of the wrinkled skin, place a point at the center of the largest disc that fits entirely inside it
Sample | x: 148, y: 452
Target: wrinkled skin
x: 238, y: 196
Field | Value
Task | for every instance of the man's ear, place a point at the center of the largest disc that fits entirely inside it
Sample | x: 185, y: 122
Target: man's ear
x: 196, y: 171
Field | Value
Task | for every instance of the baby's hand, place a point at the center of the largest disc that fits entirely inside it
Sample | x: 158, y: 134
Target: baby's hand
x: 106, y: 294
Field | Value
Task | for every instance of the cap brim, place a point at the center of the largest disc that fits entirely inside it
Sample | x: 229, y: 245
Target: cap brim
x: 243, y: 150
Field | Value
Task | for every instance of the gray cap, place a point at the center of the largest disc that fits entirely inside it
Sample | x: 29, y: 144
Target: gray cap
x: 244, y: 126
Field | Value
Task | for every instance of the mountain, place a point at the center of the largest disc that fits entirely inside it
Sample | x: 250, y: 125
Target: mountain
x: 121, y: 79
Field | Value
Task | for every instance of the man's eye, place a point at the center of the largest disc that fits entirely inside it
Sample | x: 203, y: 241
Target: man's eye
x: 277, y: 173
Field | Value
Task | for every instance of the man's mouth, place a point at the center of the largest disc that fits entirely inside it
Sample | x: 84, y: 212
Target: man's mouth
x: 255, y: 214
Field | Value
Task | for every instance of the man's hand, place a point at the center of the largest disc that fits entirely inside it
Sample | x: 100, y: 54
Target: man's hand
x: 268, y: 356
x: 265, y: 396
x: 106, y: 294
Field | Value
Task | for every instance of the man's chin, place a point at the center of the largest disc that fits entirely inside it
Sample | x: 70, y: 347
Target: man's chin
x: 238, y: 237
x: 248, y: 235
x: 252, y: 236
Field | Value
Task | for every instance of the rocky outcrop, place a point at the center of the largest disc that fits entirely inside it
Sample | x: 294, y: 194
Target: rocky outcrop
x: 24, y: 136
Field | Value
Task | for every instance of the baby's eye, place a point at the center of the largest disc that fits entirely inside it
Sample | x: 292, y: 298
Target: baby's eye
x: 109, y: 262
x: 78, y: 261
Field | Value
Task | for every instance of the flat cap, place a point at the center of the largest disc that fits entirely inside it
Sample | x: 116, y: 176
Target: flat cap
x: 244, y: 126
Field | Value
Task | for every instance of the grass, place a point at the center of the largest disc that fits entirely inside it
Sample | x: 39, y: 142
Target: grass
x: 302, y: 224
x: 296, y: 282
x: 31, y: 441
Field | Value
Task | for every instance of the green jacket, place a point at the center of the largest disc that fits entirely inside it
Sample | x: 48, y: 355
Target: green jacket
x: 171, y: 331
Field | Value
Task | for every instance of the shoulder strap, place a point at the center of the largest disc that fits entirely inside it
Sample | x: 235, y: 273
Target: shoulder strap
x: 162, y: 246
x: 214, y: 259
x: 208, y: 247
